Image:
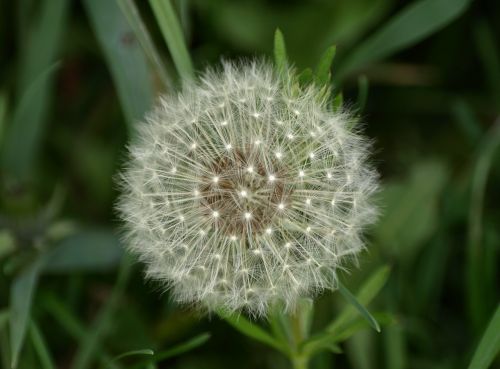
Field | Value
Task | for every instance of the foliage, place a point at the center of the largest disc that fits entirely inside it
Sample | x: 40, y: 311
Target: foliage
x: 424, y: 76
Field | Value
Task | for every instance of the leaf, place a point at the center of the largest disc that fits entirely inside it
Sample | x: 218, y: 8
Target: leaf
x: 175, y: 351
x: 489, y: 56
x: 134, y: 353
x: 329, y: 340
x: 182, y: 348
x: 489, y: 346
x: 173, y: 36
x: 280, y: 56
x: 38, y: 55
x: 466, y: 120
x: 129, y: 9
x: 125, y: 57
x: 305, y: 77
x: 337, y: 102
x: 41, y: 347
x: 26, y: 128
x: 359, y: 307
x: 323, y: 70
x: 7, y: 243
x: 475, y: 250
x: 363, y: 85
x: 365, y: 295
x: 91, y: 250
x: 4, y: 318
x: 21, y: 296
x: 412, y: 24
x: 252, y: 330
x: 411, y: 209
x: 91, y: 342
x: 3, y: 114
x: 69, y: 322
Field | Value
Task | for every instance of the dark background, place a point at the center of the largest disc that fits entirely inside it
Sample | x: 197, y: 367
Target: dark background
x: 432, y: 106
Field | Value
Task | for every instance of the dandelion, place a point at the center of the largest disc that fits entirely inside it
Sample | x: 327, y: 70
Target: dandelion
x: 257, y: 163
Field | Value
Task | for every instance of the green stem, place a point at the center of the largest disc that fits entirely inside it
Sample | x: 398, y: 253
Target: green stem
x: 300, y: 362
x: 299, y: 359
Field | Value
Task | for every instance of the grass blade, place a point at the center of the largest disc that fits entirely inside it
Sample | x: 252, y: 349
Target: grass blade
x: 280, y: 56
x: 489, y: 346
x: 475, y: 252
x: 175, y: 351
x: 26, y: 128
x: 363, y: 86
x: 4, y: 318
x: 133, y: 16
x: 174, y: 37
x: 91, y: 342
x: 125, y: 57
x: 490, y: 57
x: 70, y: 323
x: 38, y: 54
x: 133, y: 353
x: 41, y: 347
x: 323, y: 70
x: 3, y: 113
x: 252, y: 330
x: 21, y: 297
x: 360, y: 308
x: 411, y: 25
x: 365, y: 295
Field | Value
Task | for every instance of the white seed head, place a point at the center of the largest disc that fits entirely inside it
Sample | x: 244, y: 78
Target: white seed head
x: 230, y: 225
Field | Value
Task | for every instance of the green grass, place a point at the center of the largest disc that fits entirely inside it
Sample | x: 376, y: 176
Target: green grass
x: 77, y: 77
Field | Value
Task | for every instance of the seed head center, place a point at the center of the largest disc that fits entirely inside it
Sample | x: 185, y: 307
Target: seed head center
x: 244, y: 200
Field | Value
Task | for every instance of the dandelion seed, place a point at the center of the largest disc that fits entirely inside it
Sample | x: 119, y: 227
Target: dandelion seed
x: 235, y: 229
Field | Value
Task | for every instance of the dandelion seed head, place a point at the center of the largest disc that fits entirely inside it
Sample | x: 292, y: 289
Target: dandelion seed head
x: 218, y: 191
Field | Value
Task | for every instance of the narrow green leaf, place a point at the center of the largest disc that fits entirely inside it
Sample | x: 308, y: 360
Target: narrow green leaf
x: 21, y: 296
x: 26, y: 128
x: 125, y: 57
x: 70, y: 323
x: 39, y: 51
x: 252, y: 330
x: 327, y: 339
x: 89, y: 250
x: 466, y: 120
x: 475, y: 252
x: 365, y: 295
x: 395, y: 347
x: 306, y: 77
x: 134, y: 353
x: 360, y: 308
x: 3, y: 114
x: 337, y: 102
x: 490, y: 57
x: 91, y: 342
x: 323, y: 70
x: 7, y: 243
x: 363, y: 86
x: 412, y: 24
x: 129, y: 9
x: 280, y: 56
x: 411, y: 209
x: 174, y: 37
x: 489, y: 346
x: 4, y: 318
x: 176, y: 350
x: 41, y: 347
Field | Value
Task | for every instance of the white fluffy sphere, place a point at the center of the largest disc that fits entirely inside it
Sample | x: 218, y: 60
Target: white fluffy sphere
x: 244, y: 190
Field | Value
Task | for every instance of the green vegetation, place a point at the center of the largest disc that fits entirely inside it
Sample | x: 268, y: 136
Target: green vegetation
x: 75, y: 78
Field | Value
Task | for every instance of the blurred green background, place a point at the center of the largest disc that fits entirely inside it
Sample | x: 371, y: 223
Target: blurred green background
x: 76, y: 75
